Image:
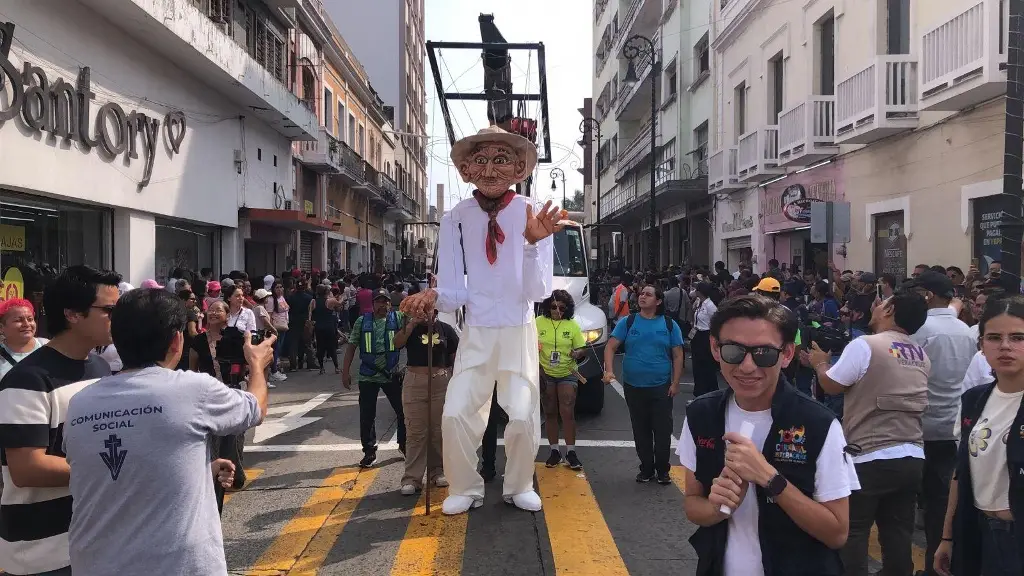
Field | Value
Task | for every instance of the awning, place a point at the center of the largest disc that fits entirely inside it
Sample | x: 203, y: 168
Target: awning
x: 290, y: 219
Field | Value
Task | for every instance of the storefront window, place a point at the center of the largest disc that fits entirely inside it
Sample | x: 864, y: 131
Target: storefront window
x: 181, y: 245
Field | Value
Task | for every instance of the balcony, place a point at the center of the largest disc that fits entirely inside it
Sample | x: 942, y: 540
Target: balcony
x: 321, y: 155
x: 182, y: 33
x: 758, y: 156
x: 879, y: 101
x: 635, y: 152
x: 807, y: 132
x: 634, y: 99
x: 722, y: 173
x: 963, y: 60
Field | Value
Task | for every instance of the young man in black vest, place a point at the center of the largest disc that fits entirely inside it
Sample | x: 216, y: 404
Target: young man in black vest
x: 771, y: 500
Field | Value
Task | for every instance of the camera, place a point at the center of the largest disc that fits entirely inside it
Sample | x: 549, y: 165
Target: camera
x: 830, y: 334
x: 230, y: 347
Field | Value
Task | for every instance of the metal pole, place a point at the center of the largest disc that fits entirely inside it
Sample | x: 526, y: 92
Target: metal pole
x: 1013, y: 149
x: 591, y: 123
x: 563, y: 190
x: 652, y: 236
x: 430, y: 403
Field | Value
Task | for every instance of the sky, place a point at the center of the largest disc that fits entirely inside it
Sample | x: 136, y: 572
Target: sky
x: 565, y: 28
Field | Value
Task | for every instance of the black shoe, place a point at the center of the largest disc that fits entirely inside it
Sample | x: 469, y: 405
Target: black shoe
x: 573, y: 460
x: 488, y: 473
x: 554, y: 459
x: 664, y: 478
x: 643, y: 478
x: 368, y: 460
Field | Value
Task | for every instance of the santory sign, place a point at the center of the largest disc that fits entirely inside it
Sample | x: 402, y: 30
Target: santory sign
x: 65, y: 111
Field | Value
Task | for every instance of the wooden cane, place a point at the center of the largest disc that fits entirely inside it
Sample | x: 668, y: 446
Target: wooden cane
x: 430, y: 401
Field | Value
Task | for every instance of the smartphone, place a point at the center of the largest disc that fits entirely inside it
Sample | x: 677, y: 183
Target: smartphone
x: 878, y: 290
x: 974, y: 263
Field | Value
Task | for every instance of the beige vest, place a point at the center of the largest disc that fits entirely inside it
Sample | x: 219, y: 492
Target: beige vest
x: 885, y: 407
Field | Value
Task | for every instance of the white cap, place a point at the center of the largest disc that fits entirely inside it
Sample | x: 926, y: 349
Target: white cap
x: 124, y: 287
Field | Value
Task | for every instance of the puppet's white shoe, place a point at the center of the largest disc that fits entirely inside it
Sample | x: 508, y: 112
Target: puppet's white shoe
x: 528, y: 501
x: 458, y: 504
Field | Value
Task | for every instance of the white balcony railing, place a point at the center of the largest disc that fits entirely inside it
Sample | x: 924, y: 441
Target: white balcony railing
x: 722, y: 173
x: 808, y: 129
x: 758, y: 156
x: 637, y: 148
x: 963, y: 60
x: 627, y: 90
x: 879, y: 100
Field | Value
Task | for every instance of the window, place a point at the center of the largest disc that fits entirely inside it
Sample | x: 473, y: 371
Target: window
x: 740, y: 110
x: 700, y: 143
x: 328, y: 111
x: 341, y: 120
x: 670, y: 82
x: 362, y: 141
x: 826, y: 53
x: 701, y: 59
x: 351, y: 130
x: 898, y: 27
x: 776, y: 84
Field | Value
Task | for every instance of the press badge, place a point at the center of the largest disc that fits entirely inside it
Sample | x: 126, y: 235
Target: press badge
x: 556, y: 358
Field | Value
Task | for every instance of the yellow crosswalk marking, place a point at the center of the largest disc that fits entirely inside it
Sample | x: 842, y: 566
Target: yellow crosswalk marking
x: 875, y: 550
x: 581, y: 542
x: 320, y: 544
x: 433, y: 544
x: 678, y: 475
x: 308, y: 520
x: 250, y: 476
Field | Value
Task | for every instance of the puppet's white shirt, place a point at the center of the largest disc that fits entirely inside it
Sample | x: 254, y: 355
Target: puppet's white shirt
x: 499, y: 294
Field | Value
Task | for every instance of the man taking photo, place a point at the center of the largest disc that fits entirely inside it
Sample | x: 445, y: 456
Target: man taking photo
x: 767, y: 480
x: 138, y: 447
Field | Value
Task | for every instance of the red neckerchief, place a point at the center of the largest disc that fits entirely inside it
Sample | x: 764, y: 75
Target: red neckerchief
x: 491, y: 206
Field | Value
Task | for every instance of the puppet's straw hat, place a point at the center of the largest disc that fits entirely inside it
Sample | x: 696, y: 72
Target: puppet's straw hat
x: 526, y: 149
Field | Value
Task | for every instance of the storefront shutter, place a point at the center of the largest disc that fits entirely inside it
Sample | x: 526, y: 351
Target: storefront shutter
x: 305, y: 252
x: 737, y: 243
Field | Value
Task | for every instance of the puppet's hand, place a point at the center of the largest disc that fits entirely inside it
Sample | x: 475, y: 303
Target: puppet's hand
x: 420, y: 305
x: 544, y: 223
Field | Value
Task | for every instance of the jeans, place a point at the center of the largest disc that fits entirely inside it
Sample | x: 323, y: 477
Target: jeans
x: 297, y: 345
x: 280, y: 349
x: 887, y: 498
x: 939, y: 462
x: 368, y: 391
x: 650, y: 411
x: 998, y: 548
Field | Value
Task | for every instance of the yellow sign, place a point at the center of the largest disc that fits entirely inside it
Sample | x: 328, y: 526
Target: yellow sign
x: 12, y: 238
x: 309, y: 208
x: 14, y: 284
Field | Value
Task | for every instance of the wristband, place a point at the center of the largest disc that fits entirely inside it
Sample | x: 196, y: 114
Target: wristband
x: 947, y: 539
x: 820, y: 363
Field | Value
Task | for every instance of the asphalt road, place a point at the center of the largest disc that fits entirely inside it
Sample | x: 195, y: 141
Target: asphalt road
x: 308, y: 509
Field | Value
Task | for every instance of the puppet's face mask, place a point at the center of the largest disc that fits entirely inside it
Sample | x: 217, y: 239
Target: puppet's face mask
x: 494, y: 168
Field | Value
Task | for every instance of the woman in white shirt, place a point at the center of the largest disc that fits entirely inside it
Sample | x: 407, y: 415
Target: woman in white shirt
x: 18, y: 326
x: 238, y: 315
x: 705, y: 368
x: 979, y: 534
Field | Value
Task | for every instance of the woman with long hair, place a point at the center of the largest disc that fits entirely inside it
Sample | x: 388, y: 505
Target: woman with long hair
x: 238, y: 315
x: 561, y: 345
x: 323, y: 314
x: 18, y: 326
x: 192, y: 324
x: 277, y: 305
x: 979, y: 535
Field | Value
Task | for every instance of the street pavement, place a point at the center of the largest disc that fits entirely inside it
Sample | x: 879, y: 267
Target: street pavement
x: 308, y: 509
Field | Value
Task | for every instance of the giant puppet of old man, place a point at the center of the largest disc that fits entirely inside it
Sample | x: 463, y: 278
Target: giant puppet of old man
x: 495, y: 258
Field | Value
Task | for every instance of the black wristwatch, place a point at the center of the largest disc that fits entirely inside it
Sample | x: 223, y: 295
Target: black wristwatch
x: 776, y: 485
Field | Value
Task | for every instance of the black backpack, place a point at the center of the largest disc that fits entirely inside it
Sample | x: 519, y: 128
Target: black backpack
x: 629, y: 324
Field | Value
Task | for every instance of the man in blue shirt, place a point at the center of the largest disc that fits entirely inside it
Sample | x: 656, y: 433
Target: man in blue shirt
x: 651, y: 370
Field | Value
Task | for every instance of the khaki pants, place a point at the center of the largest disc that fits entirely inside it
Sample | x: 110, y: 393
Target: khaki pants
x: 414, y: 404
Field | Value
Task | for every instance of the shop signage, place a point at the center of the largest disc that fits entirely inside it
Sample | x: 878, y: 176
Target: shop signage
x: 12, y: 238
x: 988, y: 234
x: 673, y: 214
x: 890, y: 244
x: 64, y: 110
x: 14, y: 284
x: 738, y: 223
x: 786, y: 207
x: 308, y: 205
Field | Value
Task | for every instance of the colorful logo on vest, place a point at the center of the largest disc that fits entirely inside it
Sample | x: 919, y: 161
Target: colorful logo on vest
x: 907, y: 354
x: 790, y: 447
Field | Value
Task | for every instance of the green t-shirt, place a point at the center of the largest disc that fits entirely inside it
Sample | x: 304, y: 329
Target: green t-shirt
x: 557, y: 340
x: 380, y: 343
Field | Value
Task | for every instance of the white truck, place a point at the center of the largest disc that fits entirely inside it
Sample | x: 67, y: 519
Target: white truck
x: 572, y: 273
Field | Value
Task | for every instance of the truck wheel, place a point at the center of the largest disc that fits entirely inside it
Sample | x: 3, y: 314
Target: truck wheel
x: 590, y: 397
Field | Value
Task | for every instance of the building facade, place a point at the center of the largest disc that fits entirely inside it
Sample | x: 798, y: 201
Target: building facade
x: 893, y: 107
x: 388, y: 39
x: 681, y: 111
x: 133, y: 146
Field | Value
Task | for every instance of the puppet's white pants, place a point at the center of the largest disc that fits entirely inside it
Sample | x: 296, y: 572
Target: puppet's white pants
x: 508, y: 356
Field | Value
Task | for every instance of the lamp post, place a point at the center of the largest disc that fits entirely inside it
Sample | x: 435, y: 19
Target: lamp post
x: 637, y: 47
x: 557, y: 173
x: 594, y: 127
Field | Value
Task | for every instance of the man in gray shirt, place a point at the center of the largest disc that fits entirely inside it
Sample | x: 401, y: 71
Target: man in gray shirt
x: 138, y: 445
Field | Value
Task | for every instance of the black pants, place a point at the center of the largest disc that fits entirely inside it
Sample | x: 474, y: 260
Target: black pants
x: 705, y: 368
x: 650, y: 411
x: 327, y: 345
x: 368, y: 392
x: 489, y: 451
x: 888, y: 489
x: 297, y: 345
x: 229, y: 447
x: 939, y: 462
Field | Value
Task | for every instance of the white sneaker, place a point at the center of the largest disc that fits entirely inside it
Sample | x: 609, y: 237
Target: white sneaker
x: 458, y: 504
x: 278, y: 377
x: 408, y: 490
x: 528, y: 501
x: 269, y: 385
x: 440, y: 481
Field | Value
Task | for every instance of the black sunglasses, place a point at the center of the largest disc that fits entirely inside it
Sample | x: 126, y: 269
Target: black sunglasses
x: 763, y: 356
x: 558, y: 307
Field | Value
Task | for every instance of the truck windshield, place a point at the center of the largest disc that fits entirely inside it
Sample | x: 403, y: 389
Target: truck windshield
x: 569, y: 257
